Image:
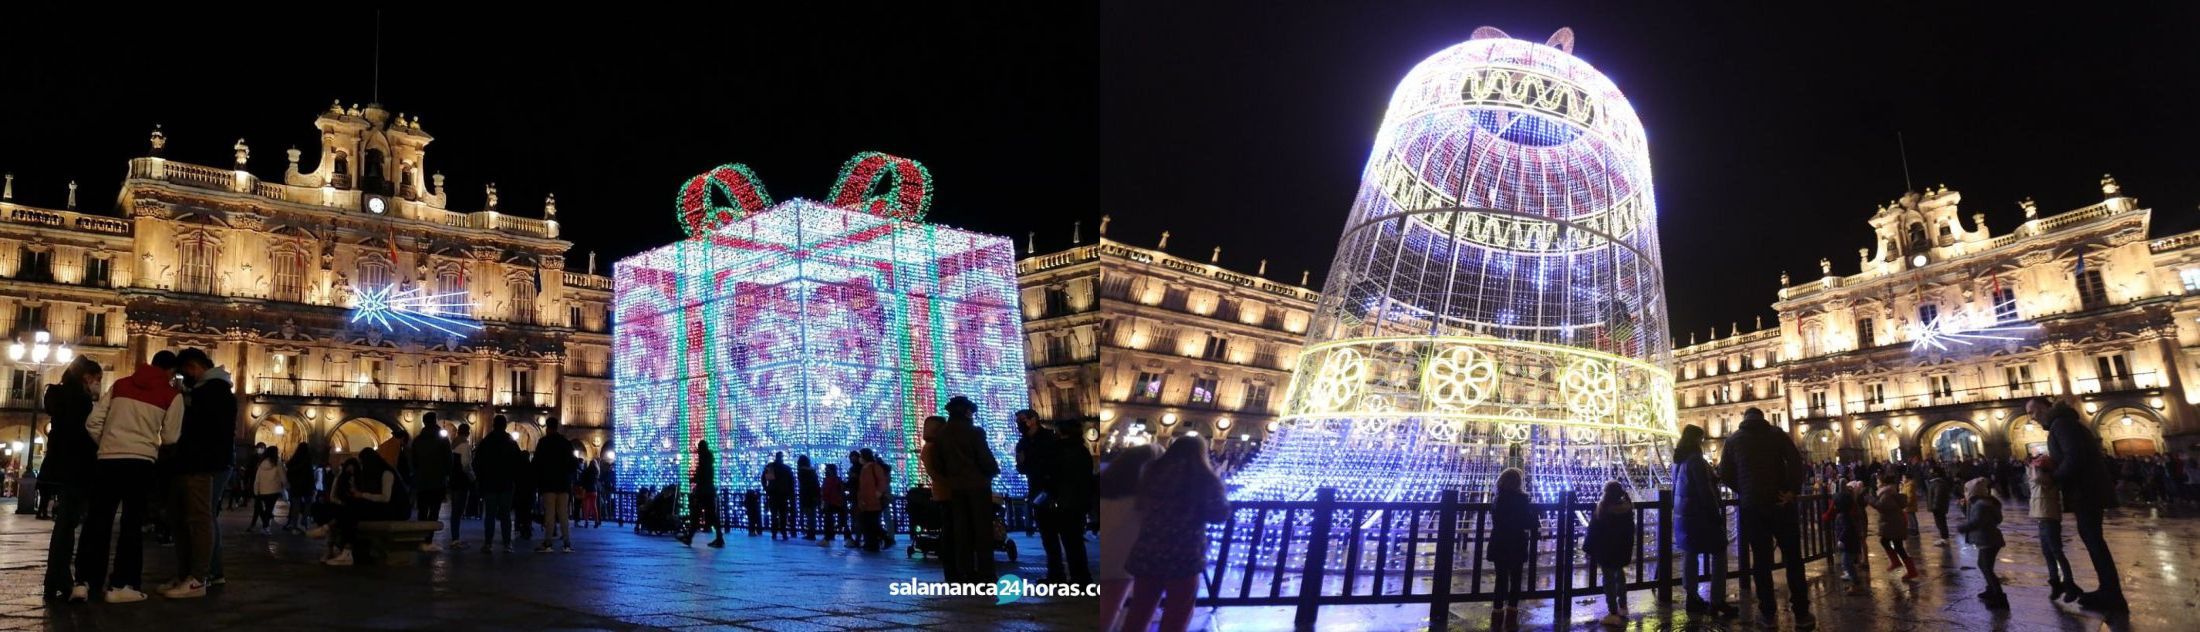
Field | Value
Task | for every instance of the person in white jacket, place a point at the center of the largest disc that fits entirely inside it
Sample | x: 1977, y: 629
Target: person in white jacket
x: 268, y: 479
x: 139, y: 414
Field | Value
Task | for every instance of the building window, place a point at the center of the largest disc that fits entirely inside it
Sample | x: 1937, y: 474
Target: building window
x: 2091, y: 292
x: 452, y: 283
x: 374, y: 273
x: 1810, y: 340
x: 523, y: 300
x: 98, y: 271
x: 1875, y: 393
x: 522, y: 387
x: 1928, y: 314
x: 290, y: 276
x: 29, y: 318
x: 1864, y: 333
x: 1256, y: 398
x: 2005, y: 305
x: 94, y: 329
x: 1203, y: 390
x: 1147, y: 388
x: 1176, y: 298
x: 37, y: 265
x: 1943, y: 386
x: 2112, y: 372
x: 1057, y: 303
x: 23, y: 385
x: 198, y: 254
x: 1817, y: 403
x: 1218, y: 348
x: 2191, y: 277
x: 2020, y: 377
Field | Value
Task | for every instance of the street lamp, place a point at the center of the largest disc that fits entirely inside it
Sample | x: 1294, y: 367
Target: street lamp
x: 42, y: 353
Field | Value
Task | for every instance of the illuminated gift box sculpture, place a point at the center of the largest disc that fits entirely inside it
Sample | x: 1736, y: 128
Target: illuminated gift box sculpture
x: 811, y: 328
x: 1496, y: 299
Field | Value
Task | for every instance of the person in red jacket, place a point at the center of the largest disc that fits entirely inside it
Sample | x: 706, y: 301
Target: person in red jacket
x: 834, y: 506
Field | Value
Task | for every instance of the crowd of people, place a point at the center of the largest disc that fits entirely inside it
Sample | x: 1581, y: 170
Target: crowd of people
x: 803, y: 501
x: 157, y: 450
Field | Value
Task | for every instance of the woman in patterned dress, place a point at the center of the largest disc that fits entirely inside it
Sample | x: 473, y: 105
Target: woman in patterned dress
x: 1179, y: 496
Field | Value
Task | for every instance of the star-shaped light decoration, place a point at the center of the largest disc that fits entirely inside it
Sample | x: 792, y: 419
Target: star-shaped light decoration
x: 1963, y: 329
x: 391, y: 308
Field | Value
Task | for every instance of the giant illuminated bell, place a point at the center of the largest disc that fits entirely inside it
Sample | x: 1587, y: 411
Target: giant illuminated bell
x: 1496, y: 299
x: 810, y: 329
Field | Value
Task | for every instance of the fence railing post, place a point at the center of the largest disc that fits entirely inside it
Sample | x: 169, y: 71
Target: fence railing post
x: 1317, y: 559
x: 1447, y: 546
x: 1562, y: 580
x: 1665, y: 547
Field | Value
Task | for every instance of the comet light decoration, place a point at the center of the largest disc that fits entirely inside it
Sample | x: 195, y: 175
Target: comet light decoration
x: 1496, y: 299
x: 1963, y: 329
x: 813, y: 329
x: 412, y: 310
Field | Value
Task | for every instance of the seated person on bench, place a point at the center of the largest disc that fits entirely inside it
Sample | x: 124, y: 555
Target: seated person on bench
x: 377, y: 494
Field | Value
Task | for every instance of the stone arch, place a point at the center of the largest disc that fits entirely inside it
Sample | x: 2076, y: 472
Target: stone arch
x: 1881, y: 443
x: 2027, y: 436
x: 526, y: 433
x: 2130, y: 431
x: 355, y: 435
x: 1821, y: 445
x: 285, y: 432
x: 1953, y: 439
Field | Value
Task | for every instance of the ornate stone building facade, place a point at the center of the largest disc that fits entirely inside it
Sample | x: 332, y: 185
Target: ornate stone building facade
x: 263, y: 274
x: 1933, y: 344
x: 1188, y: 346
x: 1061, y: 309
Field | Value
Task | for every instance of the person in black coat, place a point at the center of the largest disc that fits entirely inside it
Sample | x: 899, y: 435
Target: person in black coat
x: 1700, y: 522
x: 70, y: 455
x: 807, y: 491
x: 1513, y: 528
x: 1064, y: 490
x: 1609, y: 545
x: 554, y: 469
x: 778, y: 482
x: 2088, y: 490
x: 497, y: 465
x: 1762, y: 466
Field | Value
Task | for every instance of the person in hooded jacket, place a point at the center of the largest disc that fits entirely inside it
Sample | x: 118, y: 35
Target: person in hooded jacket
x: 1982, y: 527
x: 202, y: 468
x: 1701, y: 528
x: 1609, y: 545
x: 140, y: 414
x: 70, y: 456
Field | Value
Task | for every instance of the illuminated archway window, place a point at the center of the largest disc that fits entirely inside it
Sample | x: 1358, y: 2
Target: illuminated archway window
x: 523, y: 299
x: 374, y: 272
x: 451, y: 281
x: 290, y: 276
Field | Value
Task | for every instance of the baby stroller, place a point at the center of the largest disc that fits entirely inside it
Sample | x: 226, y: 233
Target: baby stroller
x: 660, y: 515
x: 928, y: 521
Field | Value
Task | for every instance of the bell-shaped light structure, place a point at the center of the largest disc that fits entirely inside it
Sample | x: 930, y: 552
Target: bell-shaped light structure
x: 1496, y: 299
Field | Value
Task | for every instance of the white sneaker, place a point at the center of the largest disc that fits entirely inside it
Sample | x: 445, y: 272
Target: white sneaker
x: 124, y: 594
x: 341, y: 559
x: 317, y: 532
x: 168, y: 585
x: 1614, y: 620
x: 430, y: 547
x: 80, y: 593
x: 186, y: 589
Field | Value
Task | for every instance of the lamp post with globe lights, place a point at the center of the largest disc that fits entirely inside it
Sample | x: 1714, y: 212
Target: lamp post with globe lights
x: 44, y: 352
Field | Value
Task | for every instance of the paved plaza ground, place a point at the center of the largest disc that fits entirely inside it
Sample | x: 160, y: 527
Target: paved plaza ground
x: 2159, y: 554
x: 616, y: 581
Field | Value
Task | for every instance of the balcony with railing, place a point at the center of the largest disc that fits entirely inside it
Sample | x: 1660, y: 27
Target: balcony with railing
x: 370, y: 389
x: 241, y: 182
x: 2116, y: 383
x: 1929, y: 399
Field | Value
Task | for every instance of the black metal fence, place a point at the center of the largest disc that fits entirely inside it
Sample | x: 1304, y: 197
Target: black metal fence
x: 622, y: 507
x: 1325, y: 552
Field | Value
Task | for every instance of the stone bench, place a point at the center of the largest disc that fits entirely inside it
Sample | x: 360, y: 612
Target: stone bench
x: 393, y: 541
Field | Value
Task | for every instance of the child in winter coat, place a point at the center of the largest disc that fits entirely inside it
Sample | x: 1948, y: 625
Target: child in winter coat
x: 1512, y: 535
x: 1894, y: 525
x: 1982, y: 526
x: 1610, y: 546
x: 1846, y: 513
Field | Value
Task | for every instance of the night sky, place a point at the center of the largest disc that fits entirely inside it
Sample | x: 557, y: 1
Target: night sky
x: 611, y: 111
x: 1772, y: 135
